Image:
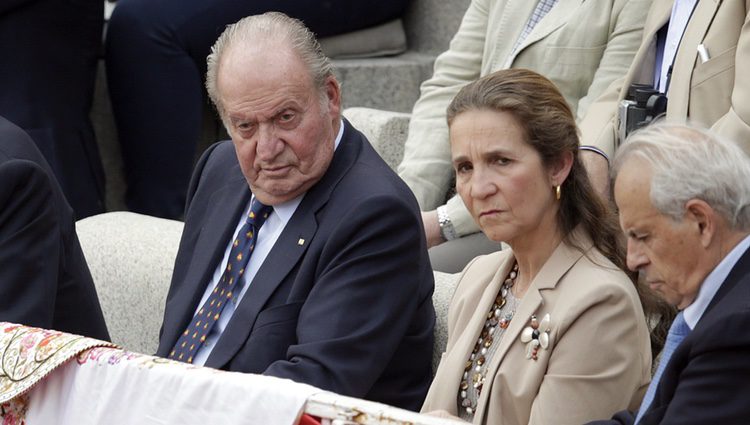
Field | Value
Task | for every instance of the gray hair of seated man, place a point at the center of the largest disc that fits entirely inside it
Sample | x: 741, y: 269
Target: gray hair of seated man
x: 270, y: 26
x: 689, y: 162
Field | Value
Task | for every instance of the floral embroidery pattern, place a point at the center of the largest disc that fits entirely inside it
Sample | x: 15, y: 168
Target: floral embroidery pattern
x: 13, y: 412
x: 29, y: 354
x: 114, y: 356
x: 536, y: 335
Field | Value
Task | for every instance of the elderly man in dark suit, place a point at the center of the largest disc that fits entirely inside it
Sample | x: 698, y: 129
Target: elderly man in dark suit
x: 684, y: 204
x: 337, y: 289
x: 44, y: 279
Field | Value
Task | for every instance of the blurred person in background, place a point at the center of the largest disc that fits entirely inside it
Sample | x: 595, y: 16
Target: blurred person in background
x: 49, y: 54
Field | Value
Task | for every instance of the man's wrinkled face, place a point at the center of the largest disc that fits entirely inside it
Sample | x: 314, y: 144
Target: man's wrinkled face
x: 282, y: 126
x: 667, y: 253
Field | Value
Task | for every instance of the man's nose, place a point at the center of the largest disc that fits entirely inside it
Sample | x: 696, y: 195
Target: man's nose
x: 636, y: 259
x: 269, y: 145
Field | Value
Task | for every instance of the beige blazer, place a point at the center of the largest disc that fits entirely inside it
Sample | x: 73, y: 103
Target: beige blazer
x: 715, y: 93
x: 598, y: 361
x: 582, y: 46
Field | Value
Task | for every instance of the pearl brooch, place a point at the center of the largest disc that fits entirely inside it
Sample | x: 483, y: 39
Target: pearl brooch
x: 536, y: 335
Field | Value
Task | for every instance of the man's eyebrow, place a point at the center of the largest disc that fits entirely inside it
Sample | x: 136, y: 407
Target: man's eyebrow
x: 460, y: 158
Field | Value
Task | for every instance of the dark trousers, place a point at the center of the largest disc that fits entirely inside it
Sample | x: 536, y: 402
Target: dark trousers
x: 49, y: 50
x: 156, y: 62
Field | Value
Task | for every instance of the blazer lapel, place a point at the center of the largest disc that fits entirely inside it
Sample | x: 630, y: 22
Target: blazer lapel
x: 555, y: 18
x: 687, y: 55
x: 286, y: 252
x: 561, y: 260
x: 506, y: 22
x: 212, y: 240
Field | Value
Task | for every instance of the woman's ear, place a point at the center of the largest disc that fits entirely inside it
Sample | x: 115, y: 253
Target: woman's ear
x: 560, y: 168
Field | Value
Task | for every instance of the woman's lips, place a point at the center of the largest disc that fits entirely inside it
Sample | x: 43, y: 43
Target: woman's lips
x: 489, y: 212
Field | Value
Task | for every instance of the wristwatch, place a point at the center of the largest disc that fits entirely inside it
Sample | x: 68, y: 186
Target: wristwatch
x: 446, y: 226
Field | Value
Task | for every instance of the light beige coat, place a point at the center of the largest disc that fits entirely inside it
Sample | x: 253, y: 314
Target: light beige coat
x: 598, y: 361
x: 715, y: 93
x: 581, y: 46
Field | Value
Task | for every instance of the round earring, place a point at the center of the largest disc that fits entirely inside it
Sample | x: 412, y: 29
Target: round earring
x: 557, y: 192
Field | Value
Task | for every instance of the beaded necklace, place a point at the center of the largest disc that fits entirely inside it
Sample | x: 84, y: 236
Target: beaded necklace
x: 499, y: 316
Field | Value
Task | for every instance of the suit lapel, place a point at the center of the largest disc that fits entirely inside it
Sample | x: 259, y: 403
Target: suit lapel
x: 687, y: 54
x: 557, y: 17
x: 286, y: 252
x: 212, y: 240
x: 507, y: 22
x: 561, y: 260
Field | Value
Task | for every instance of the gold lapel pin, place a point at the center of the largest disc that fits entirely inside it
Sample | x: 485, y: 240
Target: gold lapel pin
x: 300, y: 242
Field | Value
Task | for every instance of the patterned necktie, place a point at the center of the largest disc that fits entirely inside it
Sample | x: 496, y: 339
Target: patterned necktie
x: 228, y: 287
x: 677, y: 332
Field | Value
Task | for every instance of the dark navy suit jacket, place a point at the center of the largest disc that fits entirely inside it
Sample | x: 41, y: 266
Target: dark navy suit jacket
x: 44, y: 279
x: 707, y: 380
x: 347, y: 310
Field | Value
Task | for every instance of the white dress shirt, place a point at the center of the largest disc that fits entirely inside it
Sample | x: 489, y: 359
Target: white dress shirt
x: 681, y: 11
x: 265, y: 240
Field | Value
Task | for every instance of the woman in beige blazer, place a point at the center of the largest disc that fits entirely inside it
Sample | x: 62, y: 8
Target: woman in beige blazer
x: 551, y: 331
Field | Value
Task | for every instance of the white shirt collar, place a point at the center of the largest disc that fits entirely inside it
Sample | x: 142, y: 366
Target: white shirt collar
x: 678, y: 21
x: 713, y: 282
x: 339, y: 136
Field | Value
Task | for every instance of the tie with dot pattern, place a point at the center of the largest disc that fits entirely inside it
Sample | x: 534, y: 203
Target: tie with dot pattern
x: 228, y: 287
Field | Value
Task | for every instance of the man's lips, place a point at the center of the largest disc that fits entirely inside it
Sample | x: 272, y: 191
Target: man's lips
x: 276, y: 171
x: 653, y: 284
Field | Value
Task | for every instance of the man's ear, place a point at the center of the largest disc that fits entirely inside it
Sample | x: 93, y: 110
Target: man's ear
x: 560, y: 169
x: 704, y: 217
x: 333, y: 93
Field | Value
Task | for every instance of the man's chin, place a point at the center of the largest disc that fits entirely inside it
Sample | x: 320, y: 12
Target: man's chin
x: 669, y: 296
x: 274, y: 196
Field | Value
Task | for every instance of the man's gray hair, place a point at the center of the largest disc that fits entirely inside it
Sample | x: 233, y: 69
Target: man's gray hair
x: 687, y: 163
x: 271, y: 26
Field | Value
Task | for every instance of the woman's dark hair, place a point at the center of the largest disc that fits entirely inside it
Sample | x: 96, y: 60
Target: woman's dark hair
x: 550, y: 129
